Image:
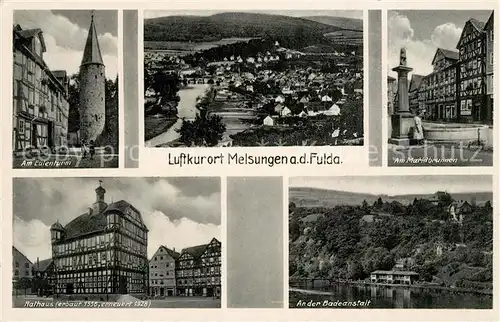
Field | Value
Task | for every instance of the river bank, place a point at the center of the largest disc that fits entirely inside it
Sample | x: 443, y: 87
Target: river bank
x: 186, y: 109
x: 409, y: 286
x: 381, y: 296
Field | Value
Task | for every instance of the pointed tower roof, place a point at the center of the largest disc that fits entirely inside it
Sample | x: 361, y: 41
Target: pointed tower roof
x: 92, y: 51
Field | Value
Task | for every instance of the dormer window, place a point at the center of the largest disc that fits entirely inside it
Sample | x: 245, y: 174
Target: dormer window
x: 37, y: 45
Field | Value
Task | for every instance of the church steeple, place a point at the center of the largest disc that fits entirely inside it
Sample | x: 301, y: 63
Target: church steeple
x: 92, y: 51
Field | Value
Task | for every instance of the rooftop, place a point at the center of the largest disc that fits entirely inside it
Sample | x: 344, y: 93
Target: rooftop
x: 92, y: 51
x: 415, y: 82
x: 477, y: 24
x: 195, y: 251
x: 450, y: 54
x: 395, y: 272
x: 41, y: 266
x: 170, y: 252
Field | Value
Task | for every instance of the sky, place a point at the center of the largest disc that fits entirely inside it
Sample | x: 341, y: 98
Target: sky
x: 421, y: 32
x: 179, y: 212
x: 65, y: 33
x: 398, y: 185
x: 357, y: 14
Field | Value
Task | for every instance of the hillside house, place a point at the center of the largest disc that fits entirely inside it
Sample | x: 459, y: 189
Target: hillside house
x: 268, y: 121
x: 279, y: 99
x: 326, y: 98
x: 285, y: 112
x: 458, y: 209
x: 278, y: 108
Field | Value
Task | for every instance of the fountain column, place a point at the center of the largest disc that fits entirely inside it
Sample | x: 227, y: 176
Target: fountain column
x: 402, y: 119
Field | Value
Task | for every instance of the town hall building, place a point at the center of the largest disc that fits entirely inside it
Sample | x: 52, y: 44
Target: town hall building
x: 102, y: 252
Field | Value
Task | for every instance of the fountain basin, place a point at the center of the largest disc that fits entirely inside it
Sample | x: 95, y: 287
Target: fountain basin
x: 466, y: 133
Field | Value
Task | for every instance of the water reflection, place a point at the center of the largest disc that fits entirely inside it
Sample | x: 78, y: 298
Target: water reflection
x: 393, y: 297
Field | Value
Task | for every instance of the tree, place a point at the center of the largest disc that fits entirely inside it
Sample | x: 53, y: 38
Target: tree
x: 354, y: 270
x: 166, y: 85
x: 24, y: 283
x: 73, y: 100
x: 444, y: 198
x: 203, y: 131
x: 379, y: 203
x: 294, y: 229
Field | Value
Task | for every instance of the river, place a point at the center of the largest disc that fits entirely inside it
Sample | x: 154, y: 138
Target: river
x: 391, y: 297
x: 186, y: 109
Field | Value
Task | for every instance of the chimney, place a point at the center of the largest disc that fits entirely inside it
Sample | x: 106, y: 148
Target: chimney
x: 38, y: 262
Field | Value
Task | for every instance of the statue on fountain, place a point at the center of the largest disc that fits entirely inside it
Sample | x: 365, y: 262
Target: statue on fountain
x: 402, y: 57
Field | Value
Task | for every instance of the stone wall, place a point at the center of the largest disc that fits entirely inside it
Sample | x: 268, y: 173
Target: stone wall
x: 92, y: 101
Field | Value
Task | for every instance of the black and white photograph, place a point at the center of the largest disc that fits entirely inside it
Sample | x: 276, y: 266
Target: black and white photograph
x: 414, y: 241
x: 65, y: 89
x: 116, y: 242
x: 253, y: 78
x: 440, y: 87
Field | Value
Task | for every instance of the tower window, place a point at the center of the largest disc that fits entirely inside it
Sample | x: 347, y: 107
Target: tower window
x: 95, y: 115
x: 95, y: 76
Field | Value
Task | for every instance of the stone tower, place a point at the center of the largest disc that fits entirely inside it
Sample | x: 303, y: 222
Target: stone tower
x: 92, y: 88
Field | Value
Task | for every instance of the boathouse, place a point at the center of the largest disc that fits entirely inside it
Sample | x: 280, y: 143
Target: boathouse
x: 394, y: 277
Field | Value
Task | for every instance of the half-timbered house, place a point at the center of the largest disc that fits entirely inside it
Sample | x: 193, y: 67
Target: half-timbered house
x: 40, y: 96
x: 490, y: 45
x: 43, y: 277
x: 440, y: 87
x: 101, y: 252
x: 413, y: 92
x: 198, y: 270
x: 472, y: 57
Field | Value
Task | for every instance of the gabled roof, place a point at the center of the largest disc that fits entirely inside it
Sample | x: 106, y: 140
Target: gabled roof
x: 92, y: 51
x: 85, y: 224
x: 60, y: 73
x: 448, y: 54
x: 170, y: 252
x: 489, y: 23
x: 41, y: 266
x: 415, y: 82
x: 88, y: 223
x: 195, y: 251
x: 478, y: 25
x: 462, y: 203
x: 16, y: 250
x: 30, y: 33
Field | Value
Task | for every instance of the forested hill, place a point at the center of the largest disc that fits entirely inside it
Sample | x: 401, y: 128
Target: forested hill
x: 351, y: 241
x: 341, y: 22
x: 288, y: 30
x: 313, y: 197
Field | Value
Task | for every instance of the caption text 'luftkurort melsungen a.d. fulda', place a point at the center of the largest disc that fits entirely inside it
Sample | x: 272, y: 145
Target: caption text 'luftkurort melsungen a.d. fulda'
x: 312, y: 158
